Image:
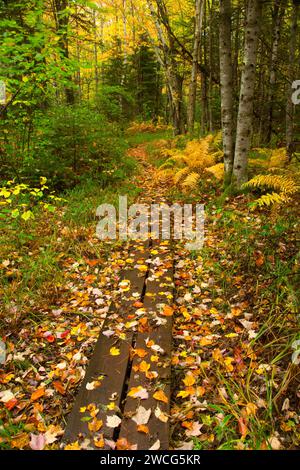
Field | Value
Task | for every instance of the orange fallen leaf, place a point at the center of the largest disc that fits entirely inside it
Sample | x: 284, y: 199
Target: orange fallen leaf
x: 40, y: 392
x: 143, y: 428
x: 167, y: 311
x: 242, y: 427
x: 9, y: 405
x: 123, y: 444
x: 139, y: 352
x: 161, y: 396
x: 59, y: 387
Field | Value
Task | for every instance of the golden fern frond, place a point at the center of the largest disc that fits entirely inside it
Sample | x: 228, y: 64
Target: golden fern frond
x: 280, y: 183
x: 179, y: 158
x: 271, y: 198
x: 180, y: 174
x: 191, y: 181
x: 165, y: 175
x: 217, y: 171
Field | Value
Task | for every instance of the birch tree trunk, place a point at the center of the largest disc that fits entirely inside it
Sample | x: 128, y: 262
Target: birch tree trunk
x: 245, y: 113
x: 290, y: 110
x: 199, y: 10
x: 226, y: 79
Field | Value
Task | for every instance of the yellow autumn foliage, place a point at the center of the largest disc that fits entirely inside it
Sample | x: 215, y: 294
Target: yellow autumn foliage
x: 188, y: 165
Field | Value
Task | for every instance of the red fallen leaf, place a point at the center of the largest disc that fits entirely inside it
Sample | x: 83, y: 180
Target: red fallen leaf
x: 50, y: 338
x: 242, y: 427
x: 59, y: 387
x: 11, y: 404
x: 64, y: 334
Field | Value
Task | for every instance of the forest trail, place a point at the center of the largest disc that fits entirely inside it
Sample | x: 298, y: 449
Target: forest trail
x: 126, y: 390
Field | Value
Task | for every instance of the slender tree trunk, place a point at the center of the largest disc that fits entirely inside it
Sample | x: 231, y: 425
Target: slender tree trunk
x: 62, y: 23
x: 96, y: 52
x: 247, y: 92
x: 166, y: 55
x: 278, y: 14
x: 226, y: 78
x: 193, y: 83
x: 290, y: 109
x: 211, y: 64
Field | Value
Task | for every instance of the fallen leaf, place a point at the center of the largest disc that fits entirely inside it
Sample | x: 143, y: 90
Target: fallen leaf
x: 40, y: 392
x: 160, y: 415
x: 160, y: 396
x: 167, y: 311
x: 37, y: 441
x: 189, y: 379
x: 142, y: 415
x: 143, y: 428
x: 59, y: 387
x: 95, y: 425
x: 114, y: 351
x: 156, y: 445
x: 99, y: 442
x: 113, y: 421
x: 138, y: 392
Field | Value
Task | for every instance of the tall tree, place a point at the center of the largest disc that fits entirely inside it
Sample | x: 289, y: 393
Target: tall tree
x: 290, y: 106
x: 199, y: 10
x: 245, y: 113
x: 226, y: 79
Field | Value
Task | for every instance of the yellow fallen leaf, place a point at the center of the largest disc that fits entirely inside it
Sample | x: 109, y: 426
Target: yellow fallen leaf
x: 114, y: 351
x: 189, y: 380
x: 73, y: 446
x: 95, y: 425
x: 99, y: 442
x: 160, y: 396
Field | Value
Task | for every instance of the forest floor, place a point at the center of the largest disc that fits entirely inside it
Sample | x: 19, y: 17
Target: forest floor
x: 233, y: 383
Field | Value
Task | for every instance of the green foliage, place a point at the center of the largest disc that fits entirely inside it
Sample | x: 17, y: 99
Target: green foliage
x: 65, y: 144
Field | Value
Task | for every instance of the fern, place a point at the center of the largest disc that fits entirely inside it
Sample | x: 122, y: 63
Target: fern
x: 271, y: 198
x: 217, y: 171
x: 190, y: 163
x: 191, y: 181
x: 284, y: 184
x: 283, y: 187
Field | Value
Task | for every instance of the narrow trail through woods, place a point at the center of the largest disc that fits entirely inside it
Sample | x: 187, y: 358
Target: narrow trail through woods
x: 129, y: 386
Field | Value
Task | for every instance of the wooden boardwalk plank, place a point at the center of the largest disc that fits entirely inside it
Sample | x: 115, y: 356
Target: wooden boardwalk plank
x: 159, y: 290
x: 112, y: 368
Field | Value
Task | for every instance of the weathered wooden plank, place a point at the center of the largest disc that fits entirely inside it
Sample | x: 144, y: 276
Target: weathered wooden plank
x: 112, y: 368
x: 158, y: 290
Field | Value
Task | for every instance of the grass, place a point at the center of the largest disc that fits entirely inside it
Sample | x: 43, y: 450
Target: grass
x: 36, y: 250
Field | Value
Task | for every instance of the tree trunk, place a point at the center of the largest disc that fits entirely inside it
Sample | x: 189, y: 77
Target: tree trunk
x: 62, y: 23
x: 247, y: 92
x: 290, y: 110
x: 193, y: 83
x: 226, y: 78
x: 278, y: 14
